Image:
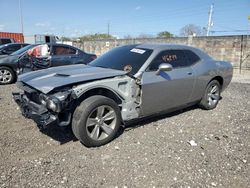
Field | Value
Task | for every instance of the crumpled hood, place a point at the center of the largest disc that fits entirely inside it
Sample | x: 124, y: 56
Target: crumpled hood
x: 48, y: 79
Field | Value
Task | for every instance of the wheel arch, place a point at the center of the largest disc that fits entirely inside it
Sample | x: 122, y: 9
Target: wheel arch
x: 219, y: 79
x: 8, y: 66
x: 104, y: 91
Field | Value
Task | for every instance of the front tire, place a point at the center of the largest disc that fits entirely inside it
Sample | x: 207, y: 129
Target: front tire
x: 96, y: 121
x: 7, y: 75
x: 211, y: 96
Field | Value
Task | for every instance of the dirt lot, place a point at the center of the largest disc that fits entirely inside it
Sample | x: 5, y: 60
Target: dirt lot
x: 152, y: 153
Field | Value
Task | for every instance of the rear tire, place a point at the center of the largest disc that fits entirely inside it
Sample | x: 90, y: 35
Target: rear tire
x: 211, y: 96
x: 7, y: 75
x: 96, y: 121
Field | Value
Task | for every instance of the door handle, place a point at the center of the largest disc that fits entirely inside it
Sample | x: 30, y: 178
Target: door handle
x: 189, y: 73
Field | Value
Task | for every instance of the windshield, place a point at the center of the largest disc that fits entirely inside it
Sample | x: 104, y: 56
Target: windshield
x: 126, y: 58
x: 22, y: 50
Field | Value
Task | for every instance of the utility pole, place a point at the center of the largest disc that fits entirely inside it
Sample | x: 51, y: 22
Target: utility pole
x: 108, y: 27
x: 21, y: 15
x: 210, y: 22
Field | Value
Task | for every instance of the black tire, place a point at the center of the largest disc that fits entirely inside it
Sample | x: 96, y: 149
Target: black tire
x: 210, y: 99
x: 11, y: 76
x: 83, y: 113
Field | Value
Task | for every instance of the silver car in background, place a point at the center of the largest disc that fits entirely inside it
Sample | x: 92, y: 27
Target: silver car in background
x: 126, y: 83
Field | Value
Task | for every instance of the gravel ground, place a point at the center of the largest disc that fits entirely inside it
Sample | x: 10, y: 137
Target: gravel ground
x: 189, y: 148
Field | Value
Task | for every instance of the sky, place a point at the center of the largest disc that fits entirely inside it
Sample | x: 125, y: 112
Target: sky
x: 74, y: 18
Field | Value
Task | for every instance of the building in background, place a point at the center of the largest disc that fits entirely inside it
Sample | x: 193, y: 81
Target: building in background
x: 40, y: 39
x: 17, y: 37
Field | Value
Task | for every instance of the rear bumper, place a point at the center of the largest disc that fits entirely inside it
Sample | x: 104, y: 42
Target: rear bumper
x: 34, y: 111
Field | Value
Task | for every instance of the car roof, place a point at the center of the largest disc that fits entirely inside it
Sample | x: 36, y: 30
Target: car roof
x: 168, y: 46
x: 60, y: 44
x: 164, y: 46
x: 56, y: 44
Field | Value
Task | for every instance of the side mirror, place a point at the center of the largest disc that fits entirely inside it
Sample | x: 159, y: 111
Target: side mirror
x: 164, y: 67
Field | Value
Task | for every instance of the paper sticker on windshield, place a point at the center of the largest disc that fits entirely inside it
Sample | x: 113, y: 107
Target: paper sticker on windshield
x: 139, y: 51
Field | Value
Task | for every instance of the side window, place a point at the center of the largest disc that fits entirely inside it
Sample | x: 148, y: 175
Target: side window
x: 5, y: 41
x: 13, y: 48
x: 72, y: 51
x: 174, y: 57
x: 62, y: 50
x: 192, y: 57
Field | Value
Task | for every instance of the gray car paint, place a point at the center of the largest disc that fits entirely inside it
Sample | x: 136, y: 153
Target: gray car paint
x: 167, y: 90
x: 123, y: 86
x: 144, y: 94
x: 178, y: 87
x: 47, y: 80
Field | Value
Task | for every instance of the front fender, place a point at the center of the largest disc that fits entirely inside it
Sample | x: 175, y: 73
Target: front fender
x: 124, y: 87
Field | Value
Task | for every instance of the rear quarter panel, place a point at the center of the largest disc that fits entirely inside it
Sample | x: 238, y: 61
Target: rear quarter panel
x: 225, y: 70
x: 206, y: 70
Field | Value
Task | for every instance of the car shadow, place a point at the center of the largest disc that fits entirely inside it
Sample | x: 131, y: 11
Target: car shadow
x: 150, y: 119
x: 60, y: 134
x: 165, y: 76
x: 65, y: 134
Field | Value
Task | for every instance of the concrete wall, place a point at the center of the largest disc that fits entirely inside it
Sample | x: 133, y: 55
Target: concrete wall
x: 228, y: 48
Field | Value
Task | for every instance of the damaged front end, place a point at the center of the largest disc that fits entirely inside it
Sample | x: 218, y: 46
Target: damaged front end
x: 44, y: 109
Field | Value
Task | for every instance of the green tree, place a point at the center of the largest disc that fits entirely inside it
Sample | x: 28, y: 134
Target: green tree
x: 165, y: 34
x: 96, y: 36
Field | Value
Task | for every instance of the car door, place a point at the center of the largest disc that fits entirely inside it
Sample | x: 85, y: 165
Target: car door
x: 198, y: 67
x: 169, y: 89
x: 63, y: 55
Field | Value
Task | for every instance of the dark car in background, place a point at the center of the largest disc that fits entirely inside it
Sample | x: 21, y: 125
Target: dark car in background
x: 8, y: 49
x: 6, y: 41
x: 58, y: 55
x: 62, y: 54
x: 9, y: 65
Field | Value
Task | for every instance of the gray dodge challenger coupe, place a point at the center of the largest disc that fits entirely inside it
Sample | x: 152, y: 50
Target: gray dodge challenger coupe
x: 126, y: 83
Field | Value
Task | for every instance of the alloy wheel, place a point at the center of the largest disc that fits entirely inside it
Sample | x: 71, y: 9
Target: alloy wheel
x: 5, y: 76
x: 213, y: 95
x: 101, y: 122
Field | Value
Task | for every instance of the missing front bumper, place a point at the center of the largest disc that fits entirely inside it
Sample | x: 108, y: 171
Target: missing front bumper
x: 34, y: 111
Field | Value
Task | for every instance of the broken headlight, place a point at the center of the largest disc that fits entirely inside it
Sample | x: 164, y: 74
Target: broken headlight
x: 54, y: 102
